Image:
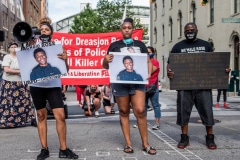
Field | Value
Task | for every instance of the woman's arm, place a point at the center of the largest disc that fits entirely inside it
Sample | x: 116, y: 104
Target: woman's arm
x: 150, y: 67
x: 8, y: 70
x: 63, y: 56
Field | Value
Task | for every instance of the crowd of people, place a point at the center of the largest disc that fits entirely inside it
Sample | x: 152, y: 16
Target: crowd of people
x: 18, y: 110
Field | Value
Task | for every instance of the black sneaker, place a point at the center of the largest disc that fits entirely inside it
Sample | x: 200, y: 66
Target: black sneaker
x: 184, y: 142
x: 210, y: 142
x: 67, y: 154
x: 44, y: 154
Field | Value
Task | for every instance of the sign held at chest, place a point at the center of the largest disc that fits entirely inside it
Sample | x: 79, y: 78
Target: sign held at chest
x: 194, y: 71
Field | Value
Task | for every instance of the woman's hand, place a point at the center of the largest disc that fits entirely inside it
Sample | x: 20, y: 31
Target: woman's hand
x: 109, y: 58
x: 63, y: 55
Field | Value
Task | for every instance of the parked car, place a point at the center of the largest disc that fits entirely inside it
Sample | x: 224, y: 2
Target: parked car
x: 159, y: 86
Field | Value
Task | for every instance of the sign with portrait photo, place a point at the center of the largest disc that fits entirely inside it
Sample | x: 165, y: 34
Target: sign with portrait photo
x: 38, y: 64
x: 128, y: 68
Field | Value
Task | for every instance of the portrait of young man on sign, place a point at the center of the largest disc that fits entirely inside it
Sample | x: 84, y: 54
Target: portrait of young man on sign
x: 128, y: 68
x: 42, y: 64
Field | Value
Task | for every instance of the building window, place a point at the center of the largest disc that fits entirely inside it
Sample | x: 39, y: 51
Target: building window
x: 155, y: 34
x: 18, y: 11
x: 236, y: 6
x: 163, y: 35
x: 163, y: 67
x: 171, y: 3
x: 179, y: 24
x: 193, y: 13
x: 211, y: 11
x: 12, y: 6
x: 170, y: 29
x: 5, y: 2
x: 163, y: 7
x: 155, y: 10
x: 5, y: 19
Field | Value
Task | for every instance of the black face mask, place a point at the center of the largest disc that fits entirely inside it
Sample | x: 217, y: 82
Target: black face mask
x: 93, y: 89
x: 190, y: 36
x: 45, y: 38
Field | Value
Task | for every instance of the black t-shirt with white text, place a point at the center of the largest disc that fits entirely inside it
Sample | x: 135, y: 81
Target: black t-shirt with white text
x: 197, y: 46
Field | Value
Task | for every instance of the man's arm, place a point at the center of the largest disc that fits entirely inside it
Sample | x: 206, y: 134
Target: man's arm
x: 170, y: 73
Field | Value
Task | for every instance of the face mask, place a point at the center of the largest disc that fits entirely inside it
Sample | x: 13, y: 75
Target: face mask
x: 93, y: 89
x: 45, y: 38
x: 190, y: 35
x: 128, y: 41
x: 151, y: 55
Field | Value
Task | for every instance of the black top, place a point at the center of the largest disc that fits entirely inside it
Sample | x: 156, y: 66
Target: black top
x: 197, y: 46
x: 96, y: 95
x: 119, y: 45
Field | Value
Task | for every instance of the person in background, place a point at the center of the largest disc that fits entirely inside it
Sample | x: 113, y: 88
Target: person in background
x: 107, y: 96
x: 225, y: 105
x: 93, y: 101
x: 133, y: 94
x: 50, y: 91
x: 155, y: 97
x: 80, y: 91
x: 202, y: 99
x: 16, y: 108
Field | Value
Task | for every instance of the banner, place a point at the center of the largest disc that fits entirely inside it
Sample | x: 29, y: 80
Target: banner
x: 85, y: 55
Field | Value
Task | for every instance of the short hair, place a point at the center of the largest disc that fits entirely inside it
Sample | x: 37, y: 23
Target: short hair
x: 190, y: 23
x: 12, y: 43
x: 38, y: 50
x: 152, y: 49
x: 130, y: 20
x: 127, y: 57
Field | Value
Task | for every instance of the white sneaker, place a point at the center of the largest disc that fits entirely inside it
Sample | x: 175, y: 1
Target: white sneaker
x: 135, y: 126
x: 156, y: 127
x: 96, y: 113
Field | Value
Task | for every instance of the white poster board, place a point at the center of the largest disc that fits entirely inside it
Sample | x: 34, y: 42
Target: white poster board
x: 27, y: 62
x: 118, y: 73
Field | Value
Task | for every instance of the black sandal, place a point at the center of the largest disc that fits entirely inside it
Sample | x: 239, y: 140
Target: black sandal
x: 128, y: 149
x: 148, y: 149
x: 112, y: 111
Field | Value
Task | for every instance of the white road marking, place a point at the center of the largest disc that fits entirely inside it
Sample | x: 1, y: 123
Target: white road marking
x: 170, y: 142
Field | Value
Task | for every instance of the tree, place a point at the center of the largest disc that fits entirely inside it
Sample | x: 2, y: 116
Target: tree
x: 87, y: 21
x: 106, y: 18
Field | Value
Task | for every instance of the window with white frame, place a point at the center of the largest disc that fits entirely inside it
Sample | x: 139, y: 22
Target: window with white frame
x: 155, y: 10
x: 170, y: 29
x: 179, y: 20
x: 193, y: 13
x: 236, y: 6
x: 211, y: 5
x: 155, y: 34
x: 163, y: 34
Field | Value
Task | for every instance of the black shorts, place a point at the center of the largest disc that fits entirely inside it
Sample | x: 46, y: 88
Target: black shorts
x: 106, y: 102
x: 119, y: 89
x: 202, y: 99
x: 41, y: 95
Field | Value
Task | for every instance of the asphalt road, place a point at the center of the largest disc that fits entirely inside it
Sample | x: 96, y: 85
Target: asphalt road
x: 101, y: 138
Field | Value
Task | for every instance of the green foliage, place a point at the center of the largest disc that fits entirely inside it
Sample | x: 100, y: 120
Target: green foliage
x: 87, y: 22
x: 106, y: 18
